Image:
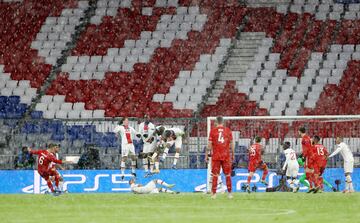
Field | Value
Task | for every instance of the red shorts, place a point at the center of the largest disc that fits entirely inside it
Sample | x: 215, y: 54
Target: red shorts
x: 253, y: 165
x: 48, y: 173
x: 319, y: 168
x: 224, y: 164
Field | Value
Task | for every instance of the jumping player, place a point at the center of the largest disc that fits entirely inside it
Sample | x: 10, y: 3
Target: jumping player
x: 172, y: 136
x: 146, y: 133
x: 151, y: 187
x: 319, y: 160
x: 291, y: 166
x: 348, y: 157
x: 255, y: 162
x: 127, y: 135
x: 222, y: 149
x: 45, y: 160
x: 307, y: 154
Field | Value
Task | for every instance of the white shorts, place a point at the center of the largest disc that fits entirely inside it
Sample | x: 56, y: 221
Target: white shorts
x: 348, y: 166
x: 149, y: 188
x: 149, y: 147
x: 292, y: 169
x: 177, y: 142
x: 127, y: 149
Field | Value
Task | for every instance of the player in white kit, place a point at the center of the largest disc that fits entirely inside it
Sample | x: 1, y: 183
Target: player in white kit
x: 127, y: 135
x: 147, y: 134
x: 151, y: 187
x: 291, y: 166
x: 348, y: 157
x: 172, y: 136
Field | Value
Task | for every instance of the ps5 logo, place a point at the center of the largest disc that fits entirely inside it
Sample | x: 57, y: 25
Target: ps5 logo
x: 40, y: 185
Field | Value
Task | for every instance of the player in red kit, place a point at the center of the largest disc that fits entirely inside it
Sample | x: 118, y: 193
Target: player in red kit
x: 319, y: 160
x: 307, y: 151
x: 255, y: 162
x: 45, y: 164
x: 222, y: 150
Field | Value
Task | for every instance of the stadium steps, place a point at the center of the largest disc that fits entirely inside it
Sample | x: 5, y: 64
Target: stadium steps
x: 57, y: 67
x: 240, y: 58
x: 266, y: 3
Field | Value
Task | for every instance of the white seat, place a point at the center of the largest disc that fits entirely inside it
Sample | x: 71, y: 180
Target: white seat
x: 284, y: 96
x: 269, y: 96
x: 183, y: 97
x: 274, y: 56
x: 61, y: 114
x: 302, y: 88
x: 41, y: 106
x: 313, y: 64
x: 79, y: 106
x: 341, y: 64
x: 298, y: 96
x: 18, y: 91
x: 348, y: 48
x: 281, y: 73
x: 287, y: 88
x: 330, y: 64
x: 310, y: 103
x: 334, y: 15
x: 332, y: 56
x: 170, y: 97
x: 86, y: 114
x: 291, y: 81
x: 54, y: 106
x: 345, y: 56
x: 337, y: 72
x: 266, y: 74
x: 336, y: 48
x: 49, y: 114
x: 66, y: 106
x: 59, y: 98
x: 74, y: 114
x: 321, y: 80
x: 98, y: 114
x: 255, y: 96
x: 317, y: 56
x: 280, y: 104
x: 158, y: 98
x: 258, y: 89
x: 46, y: 99
x: 265, y: 104
x: 11, y: 84
x: 196, y: 98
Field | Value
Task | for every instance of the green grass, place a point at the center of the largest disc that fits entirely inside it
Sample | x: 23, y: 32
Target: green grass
x: 259, y: 207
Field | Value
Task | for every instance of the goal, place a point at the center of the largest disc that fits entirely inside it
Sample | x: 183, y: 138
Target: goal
x: 275, y: 130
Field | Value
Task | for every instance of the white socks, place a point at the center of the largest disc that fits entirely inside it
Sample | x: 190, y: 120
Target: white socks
x: 177, y: 155
x: 133, y: 166
x: 166, y: 151
x: 145, y: 164
x: 122, y: 166
x: 162, y: 183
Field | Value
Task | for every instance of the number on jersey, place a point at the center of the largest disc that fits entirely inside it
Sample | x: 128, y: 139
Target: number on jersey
x: 221, y: 137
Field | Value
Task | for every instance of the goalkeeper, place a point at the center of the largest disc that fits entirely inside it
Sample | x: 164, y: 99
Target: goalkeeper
x: 303, y: 181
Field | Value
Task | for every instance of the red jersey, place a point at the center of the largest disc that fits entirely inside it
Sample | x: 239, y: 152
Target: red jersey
x: 220, y: 138
x: 255, y: 152
x: 45, y: 160
x: 306, y: 146
x: 319, y: 154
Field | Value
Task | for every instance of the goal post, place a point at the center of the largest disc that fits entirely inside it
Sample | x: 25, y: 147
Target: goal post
x: 276, y: 129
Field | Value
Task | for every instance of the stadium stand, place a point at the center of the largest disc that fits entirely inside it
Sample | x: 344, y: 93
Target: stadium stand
x: 71, y: 60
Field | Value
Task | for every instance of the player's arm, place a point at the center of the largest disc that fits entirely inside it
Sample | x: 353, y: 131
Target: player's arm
x: 285, y: 163
x: 338, y: 149
x: 232, y: 145
x: 208, y: 150
x: 61, y: 167
x: 35, y: 152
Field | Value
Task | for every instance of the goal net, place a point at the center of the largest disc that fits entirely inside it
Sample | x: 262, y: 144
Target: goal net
x: 275, y: 130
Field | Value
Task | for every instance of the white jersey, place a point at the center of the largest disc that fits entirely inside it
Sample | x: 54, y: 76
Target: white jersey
x: 345, y: 152
x: 149, y: 188
x: 290, y: 158
x: 127, y: 134
x: 178, y: 132
x: 146, y: 130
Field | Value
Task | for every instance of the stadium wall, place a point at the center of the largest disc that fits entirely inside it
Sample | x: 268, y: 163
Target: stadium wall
x: 108, y: 181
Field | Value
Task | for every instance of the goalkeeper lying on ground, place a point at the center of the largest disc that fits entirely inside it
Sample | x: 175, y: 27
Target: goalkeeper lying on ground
x: 303, y: 181
x: 151, y: 187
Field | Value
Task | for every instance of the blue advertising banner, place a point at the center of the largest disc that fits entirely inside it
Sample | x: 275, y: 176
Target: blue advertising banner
x: 109, y: 181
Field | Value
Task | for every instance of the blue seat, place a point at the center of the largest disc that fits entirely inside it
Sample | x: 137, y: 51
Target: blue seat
x: 14, y: 100
x: 36, y: 114
x: 57, y: 137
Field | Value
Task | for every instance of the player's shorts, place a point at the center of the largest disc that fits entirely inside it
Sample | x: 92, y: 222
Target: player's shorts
x: 127, y: 149
x: 348, y: 166
x: 217, y: 164
x: 149, y: 147
x: 292, y: 169
x: 177, y: 142
x: 149, y: 188
x: 319, y: 169
x: 253, y: 165
x: 44, y: 174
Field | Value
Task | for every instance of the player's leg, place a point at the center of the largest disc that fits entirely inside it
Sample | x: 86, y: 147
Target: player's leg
x: 144, y: 160
x: 303, y: 180
x: 251, y: 169
x: 46, y: 177
x: 167, y: 190
x: 265, y: 170
x: 215, y: 171
x: 178, y: 145
x: 133, y: 159
x: 168, y: 145
x: 348, y: 169
x: 163, y: 183
x: 226, y: 166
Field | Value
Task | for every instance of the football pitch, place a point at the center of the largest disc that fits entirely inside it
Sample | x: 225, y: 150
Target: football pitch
x: 187, y: 207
